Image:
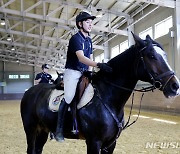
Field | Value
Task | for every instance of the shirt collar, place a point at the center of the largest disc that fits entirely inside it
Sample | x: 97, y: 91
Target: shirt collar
x: 81, y: 34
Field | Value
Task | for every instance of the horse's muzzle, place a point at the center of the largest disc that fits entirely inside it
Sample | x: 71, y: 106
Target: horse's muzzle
x: 172, y: 88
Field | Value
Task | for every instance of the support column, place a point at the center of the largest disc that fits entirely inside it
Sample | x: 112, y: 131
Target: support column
x: 34, y: 75
x: 4, y: 89
x: 130, y: 29
x: 177, y: 38
x: 106, y: 51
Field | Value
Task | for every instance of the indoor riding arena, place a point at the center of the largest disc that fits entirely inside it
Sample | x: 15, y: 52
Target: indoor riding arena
x: 141, y: 36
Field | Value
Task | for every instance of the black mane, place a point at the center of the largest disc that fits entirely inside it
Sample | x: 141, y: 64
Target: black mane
x: 123, y: 68
x: 123, y: 60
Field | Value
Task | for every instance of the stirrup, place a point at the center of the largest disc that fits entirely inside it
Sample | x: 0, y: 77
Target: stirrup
x: 75, y: 132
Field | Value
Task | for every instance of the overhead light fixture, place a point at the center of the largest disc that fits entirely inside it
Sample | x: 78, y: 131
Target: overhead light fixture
x: 61, y: 57
x: 12, y: 49
x: 9, y: 38
x: 99, y: 13
x: 3, y: 22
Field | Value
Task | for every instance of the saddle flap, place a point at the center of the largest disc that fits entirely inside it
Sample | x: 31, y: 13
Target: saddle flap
x: 87, y: 96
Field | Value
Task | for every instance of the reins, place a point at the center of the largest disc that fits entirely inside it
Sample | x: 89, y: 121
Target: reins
x: 119, y: 124
x: 143, y: 90
x: 150, y: 88
x: 127, y: 123
x: 156, y: 84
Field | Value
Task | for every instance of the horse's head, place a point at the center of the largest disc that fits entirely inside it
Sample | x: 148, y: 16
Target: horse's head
x: 59, y: 79
x: 153, y: 60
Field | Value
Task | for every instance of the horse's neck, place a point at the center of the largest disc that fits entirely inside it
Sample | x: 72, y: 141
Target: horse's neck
x: 113, y: 86
x: 121, y: 92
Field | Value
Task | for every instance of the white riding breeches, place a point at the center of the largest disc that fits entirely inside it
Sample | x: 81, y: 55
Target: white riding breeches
x: 71, y: 78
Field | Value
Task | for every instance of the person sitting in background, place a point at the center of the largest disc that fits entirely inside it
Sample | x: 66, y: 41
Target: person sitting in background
x: 43, y: 77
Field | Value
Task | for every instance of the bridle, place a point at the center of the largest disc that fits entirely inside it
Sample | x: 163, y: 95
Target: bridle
x: 156, y: 83
x: 156, y: 80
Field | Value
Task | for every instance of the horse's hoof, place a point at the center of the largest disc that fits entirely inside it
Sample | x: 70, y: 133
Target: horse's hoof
x: 51, y: 136
x: 59, y: 138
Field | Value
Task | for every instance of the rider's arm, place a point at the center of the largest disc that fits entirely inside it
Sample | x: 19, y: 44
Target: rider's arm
x: 83, y: 59
x: 37, y: 81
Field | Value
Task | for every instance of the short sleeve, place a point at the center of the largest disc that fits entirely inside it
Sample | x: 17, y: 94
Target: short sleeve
x: 38, y: 76
x: 75, y: 44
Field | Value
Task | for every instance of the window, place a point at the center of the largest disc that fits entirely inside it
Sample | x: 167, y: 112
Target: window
x: 24, y: 76
x: 162, y: 28
x: 115, y: 51
x: 148, y: 31
x: 123, y: 46
x: 13, y: 76
x: 99, y: 58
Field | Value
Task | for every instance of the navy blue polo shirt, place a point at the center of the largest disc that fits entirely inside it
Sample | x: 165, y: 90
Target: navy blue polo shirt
x: 78, y: 42
x: 45, y: 77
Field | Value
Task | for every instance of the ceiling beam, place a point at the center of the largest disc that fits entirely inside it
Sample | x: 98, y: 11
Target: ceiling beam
x: 54, y: 39
x: 55, y: 67
x: 163, y: 3
x: 89, y: 7
x: 30, y: 57
x: 62, y: 21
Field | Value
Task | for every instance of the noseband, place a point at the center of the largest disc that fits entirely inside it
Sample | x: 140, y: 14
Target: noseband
x: 156, y: 80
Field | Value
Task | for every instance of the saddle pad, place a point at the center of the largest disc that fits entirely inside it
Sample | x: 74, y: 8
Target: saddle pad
x: 54, y: 100
x: 57, y: 95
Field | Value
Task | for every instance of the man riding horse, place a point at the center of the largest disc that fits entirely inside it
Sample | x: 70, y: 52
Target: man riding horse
x: 100, y: 120
x: 79, y: 58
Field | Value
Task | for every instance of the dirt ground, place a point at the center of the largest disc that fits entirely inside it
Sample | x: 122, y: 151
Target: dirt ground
x: 146, y: 136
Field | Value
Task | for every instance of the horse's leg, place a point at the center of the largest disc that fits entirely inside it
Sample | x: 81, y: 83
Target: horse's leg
x: 108, y: 150
x: 41, y: 139
x: 31, y: 137
x: 93, y: 146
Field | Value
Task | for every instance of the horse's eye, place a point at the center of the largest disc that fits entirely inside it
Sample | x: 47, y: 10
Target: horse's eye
x: 151, y: 56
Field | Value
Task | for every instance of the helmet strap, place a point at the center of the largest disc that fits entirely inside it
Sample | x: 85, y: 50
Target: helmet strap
x: 84, y: 29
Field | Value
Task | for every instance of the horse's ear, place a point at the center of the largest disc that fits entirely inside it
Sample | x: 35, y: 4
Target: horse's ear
x: 148, y: 38
x: 57, y: 73
x: 137, y: 39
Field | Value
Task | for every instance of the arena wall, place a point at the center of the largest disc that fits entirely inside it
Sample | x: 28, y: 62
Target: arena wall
x: 14, y: 89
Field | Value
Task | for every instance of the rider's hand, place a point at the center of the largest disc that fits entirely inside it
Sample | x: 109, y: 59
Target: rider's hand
x: 104, y: 67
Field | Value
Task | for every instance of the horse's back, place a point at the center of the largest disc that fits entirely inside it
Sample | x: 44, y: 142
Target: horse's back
x: 32, y: 98
x: 32, y: 93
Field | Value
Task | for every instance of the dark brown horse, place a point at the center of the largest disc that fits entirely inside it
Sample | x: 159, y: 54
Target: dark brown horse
x: 100, y: 122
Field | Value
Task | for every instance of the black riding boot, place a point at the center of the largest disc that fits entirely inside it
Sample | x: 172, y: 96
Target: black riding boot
x: 60, y: 122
